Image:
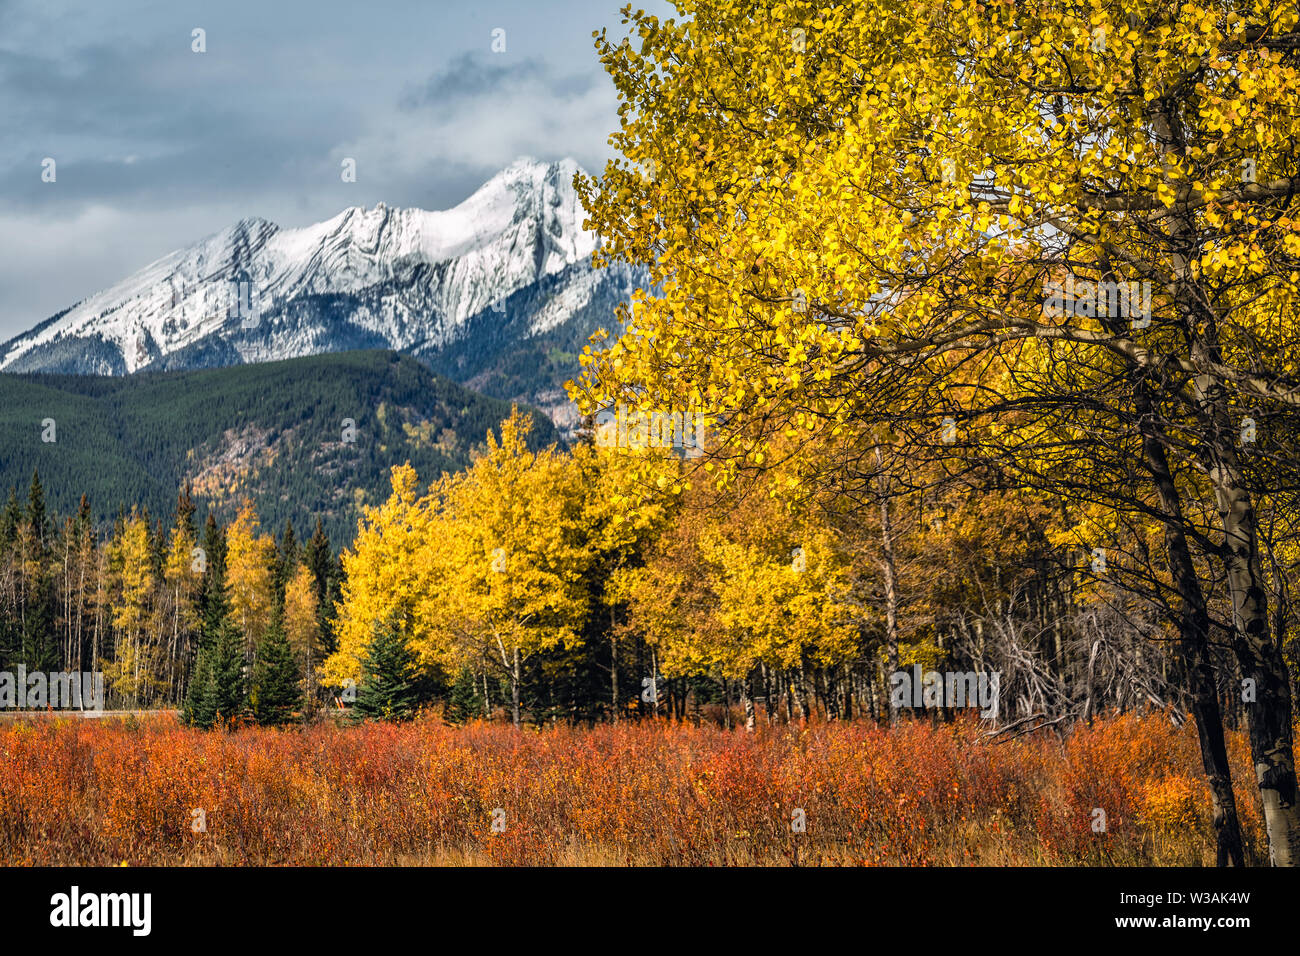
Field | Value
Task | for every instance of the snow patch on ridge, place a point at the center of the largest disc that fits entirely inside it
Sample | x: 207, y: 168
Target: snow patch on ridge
x: 419, y: 275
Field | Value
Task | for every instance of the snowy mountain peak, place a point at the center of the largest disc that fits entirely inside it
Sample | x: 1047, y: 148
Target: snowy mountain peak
x: 401, y: 277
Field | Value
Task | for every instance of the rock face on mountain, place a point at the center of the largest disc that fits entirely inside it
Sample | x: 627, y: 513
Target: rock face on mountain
x: 498, y: 292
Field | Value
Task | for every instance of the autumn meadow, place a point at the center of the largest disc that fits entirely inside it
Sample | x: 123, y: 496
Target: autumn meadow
x: 645, y: 794
x: 887, y: 454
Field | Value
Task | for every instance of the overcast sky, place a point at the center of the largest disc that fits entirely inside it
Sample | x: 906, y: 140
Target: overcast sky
x: 157, y: 146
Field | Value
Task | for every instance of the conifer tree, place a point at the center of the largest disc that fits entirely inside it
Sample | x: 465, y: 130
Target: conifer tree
x: 200, y: 709
x: 217, y: 685
x: 387, y: 690
x: 326, y: 574
x: 275, y: 693
x: 227, y: 676
x: 40, y: 651
x: 185, y: 509
x: 466, y: 702
x: 286, y: 559
x: 214, y: 557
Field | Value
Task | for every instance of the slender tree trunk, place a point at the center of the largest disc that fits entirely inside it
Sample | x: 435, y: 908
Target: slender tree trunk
x: 800, y: 698
x: 1268, y: 716
x: 747, y: 700
x: 613, y: 670
x: 654, y: 681
x: 889, y: 571
x: 1194, y: 631
x: 515, y: 677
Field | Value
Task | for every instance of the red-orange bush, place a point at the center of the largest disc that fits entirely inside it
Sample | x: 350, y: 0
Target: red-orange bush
x: 104, y: 792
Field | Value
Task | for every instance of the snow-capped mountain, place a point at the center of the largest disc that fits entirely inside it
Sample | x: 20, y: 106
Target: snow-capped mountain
x: 510, y: 263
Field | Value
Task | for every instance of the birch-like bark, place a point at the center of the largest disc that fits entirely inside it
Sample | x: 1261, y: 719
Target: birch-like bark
x: 889, y: 572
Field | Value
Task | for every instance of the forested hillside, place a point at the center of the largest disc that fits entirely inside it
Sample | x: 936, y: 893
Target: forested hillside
x: 276, y: 432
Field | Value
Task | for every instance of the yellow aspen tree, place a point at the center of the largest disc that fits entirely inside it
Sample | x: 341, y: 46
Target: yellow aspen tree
x: 391, y: 567
x: 618, y: 534
x: 249, y: 562
x: 518, y: 554
x: 130, y: 671
x: 182, y: 575
x: 302, y: 627
x: 855, y: 214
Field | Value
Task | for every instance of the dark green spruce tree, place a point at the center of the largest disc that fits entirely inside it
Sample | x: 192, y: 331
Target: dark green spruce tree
x: 216, y: 691
x: 40, y: 645
x: 327, y: 575
x: 465, y: 702
x: 287, y: 554
x: 275, y: 693
x: 199, y: 709
x: 229, y: 700
x: 388, y: 687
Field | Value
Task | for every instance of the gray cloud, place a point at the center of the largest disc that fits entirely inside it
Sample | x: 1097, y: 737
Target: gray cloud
x: 158, y: 146
x: 477, y: 76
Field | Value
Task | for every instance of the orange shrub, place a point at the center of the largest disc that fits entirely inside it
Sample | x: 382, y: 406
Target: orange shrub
x: 106, y: 791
